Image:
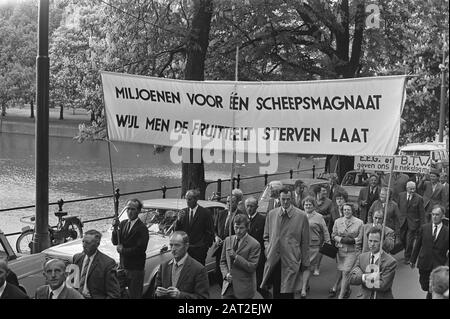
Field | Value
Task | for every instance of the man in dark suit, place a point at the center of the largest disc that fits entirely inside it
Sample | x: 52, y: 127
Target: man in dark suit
x: 300, y: 194
x: 367, y: 196
x: 55, y: 278
x: 198, y: 223
x: 256, y: 230
x: 98, y: 277
x: 223, y: 227
x: 431, y: 247
x: 132, y: 239
x: 8, y: 290
x: 374, y: 270
x: 433, y: 192
x: 238, y: 262
x: 412, y: 216
x: 182, y: 277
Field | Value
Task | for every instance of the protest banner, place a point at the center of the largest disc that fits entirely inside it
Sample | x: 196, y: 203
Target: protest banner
x: 402, y: 163
x: 344, y: 117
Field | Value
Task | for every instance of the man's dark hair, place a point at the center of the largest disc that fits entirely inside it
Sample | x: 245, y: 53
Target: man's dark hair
x: 95, y: 233
x: 241, y: 219
x: 374, y: 230
x: 137, y: 201
x: 285, y: 190
x: 440, y: 207
x: 299, y: 182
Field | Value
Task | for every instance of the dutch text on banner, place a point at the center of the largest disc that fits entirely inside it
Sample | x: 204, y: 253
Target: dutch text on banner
x: 403, y: 163
x: 345, y: 117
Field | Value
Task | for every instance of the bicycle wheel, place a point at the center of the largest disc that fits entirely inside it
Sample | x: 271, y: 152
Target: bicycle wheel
x: 25, y: 242
x: 74, y: 230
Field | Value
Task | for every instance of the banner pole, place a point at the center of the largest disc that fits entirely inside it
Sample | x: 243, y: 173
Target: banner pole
x: 233, y: 163
x: 384, y: 218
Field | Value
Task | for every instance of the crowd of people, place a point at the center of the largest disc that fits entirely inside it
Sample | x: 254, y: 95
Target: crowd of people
x: 275, y: 253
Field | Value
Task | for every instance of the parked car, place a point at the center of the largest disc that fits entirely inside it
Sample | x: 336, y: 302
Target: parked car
x: 264, y: 199
x: 159, y: 215
x: 354, y: 180
x: 437, y: 152
x: 28, y: 268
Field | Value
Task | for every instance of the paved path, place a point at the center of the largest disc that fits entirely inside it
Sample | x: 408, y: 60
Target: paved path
x: 406, y: 282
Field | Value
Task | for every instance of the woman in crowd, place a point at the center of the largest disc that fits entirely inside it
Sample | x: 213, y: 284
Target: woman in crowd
x: 347, y: 234
x: 318, y: 234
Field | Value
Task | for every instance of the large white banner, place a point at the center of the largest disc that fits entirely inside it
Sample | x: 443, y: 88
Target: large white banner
x: 344, y: 117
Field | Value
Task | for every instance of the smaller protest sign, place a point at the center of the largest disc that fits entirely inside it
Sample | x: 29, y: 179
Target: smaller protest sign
x: 403, y: 163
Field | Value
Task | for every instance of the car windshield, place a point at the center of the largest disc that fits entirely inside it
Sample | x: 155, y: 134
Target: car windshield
x: 355, y: 179
x: 156, y: 220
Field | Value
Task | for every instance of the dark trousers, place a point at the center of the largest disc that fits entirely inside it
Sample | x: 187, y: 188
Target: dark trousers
x: 424, y: 279
x: 218, y: 274
x: 198, y: 253
x: 135, y: 283
x: 276, y: 282
x: 407, y: 237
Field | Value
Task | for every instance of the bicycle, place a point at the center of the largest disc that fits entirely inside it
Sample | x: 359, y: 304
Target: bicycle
x: 67, y: 229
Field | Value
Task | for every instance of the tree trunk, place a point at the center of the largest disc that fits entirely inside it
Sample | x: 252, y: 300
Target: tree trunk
x: 349, y: 66
x: 31, y: 109
x: 193, y: 174
x: 61, y: 113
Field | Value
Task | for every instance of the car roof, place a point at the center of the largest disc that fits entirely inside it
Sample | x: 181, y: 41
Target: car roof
x: 306, y: 180
x: 178, y: 203
x: 423, y: 147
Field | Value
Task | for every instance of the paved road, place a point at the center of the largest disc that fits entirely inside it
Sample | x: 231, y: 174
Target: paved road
x: 406, y: 282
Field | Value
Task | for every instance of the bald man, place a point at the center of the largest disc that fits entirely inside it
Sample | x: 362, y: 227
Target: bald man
x: 412, y: 216
x: 55, y: 277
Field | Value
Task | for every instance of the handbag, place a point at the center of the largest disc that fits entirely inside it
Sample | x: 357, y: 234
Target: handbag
x: 328, y: 250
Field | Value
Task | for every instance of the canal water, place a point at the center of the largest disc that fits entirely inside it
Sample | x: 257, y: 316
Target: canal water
x: 81, y: 170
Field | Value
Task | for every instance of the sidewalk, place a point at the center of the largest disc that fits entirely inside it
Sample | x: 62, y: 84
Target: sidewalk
x: 18, y: 121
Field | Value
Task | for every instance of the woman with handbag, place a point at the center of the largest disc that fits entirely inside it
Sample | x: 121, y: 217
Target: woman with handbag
x: 347, y: 234
x: 318, y: 234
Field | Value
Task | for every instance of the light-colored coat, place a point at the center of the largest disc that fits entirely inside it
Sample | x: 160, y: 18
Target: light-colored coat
x: 243, y: 269
x: 354, y: 228
x: 387, y: 266
x: 43, y: 292
x: 291, y: 247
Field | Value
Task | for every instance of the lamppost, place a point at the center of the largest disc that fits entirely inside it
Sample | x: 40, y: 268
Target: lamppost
x: 442, y: 112
x: 41, y: 238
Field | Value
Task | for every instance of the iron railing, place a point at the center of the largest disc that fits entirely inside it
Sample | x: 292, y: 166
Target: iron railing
x: 235, y: 183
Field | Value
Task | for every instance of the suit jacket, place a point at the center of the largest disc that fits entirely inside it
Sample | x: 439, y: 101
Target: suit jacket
x: 387, y: 265
x: 67, y: 293
x: 291, y: 247
x: 389, y: 238
x: 431, y: 198
x: 256, y: 230
x: 369, y: 198
x: 201, y: 230
x: 134, y: 244
x: 243, y: 268
x: 446, y: 196
x: 221, y: 228
x: 193, y: 281
x: 101, y: 279
x: 13, y: 292
x: 431, y: 254
x: 392, y: 217
x: 412, y: 213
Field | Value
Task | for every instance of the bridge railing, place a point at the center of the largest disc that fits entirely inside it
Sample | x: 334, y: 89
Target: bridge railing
x: 234, y: 183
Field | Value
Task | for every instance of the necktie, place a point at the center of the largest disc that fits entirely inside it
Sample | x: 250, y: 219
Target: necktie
x: 126, y: 228
x: 83, y: 274
x: 236, y: 244
x: 191, y: 216
x: 372, y: 260
x: 409, y: 198
x: 434, y: 232
x: 50, y: 296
